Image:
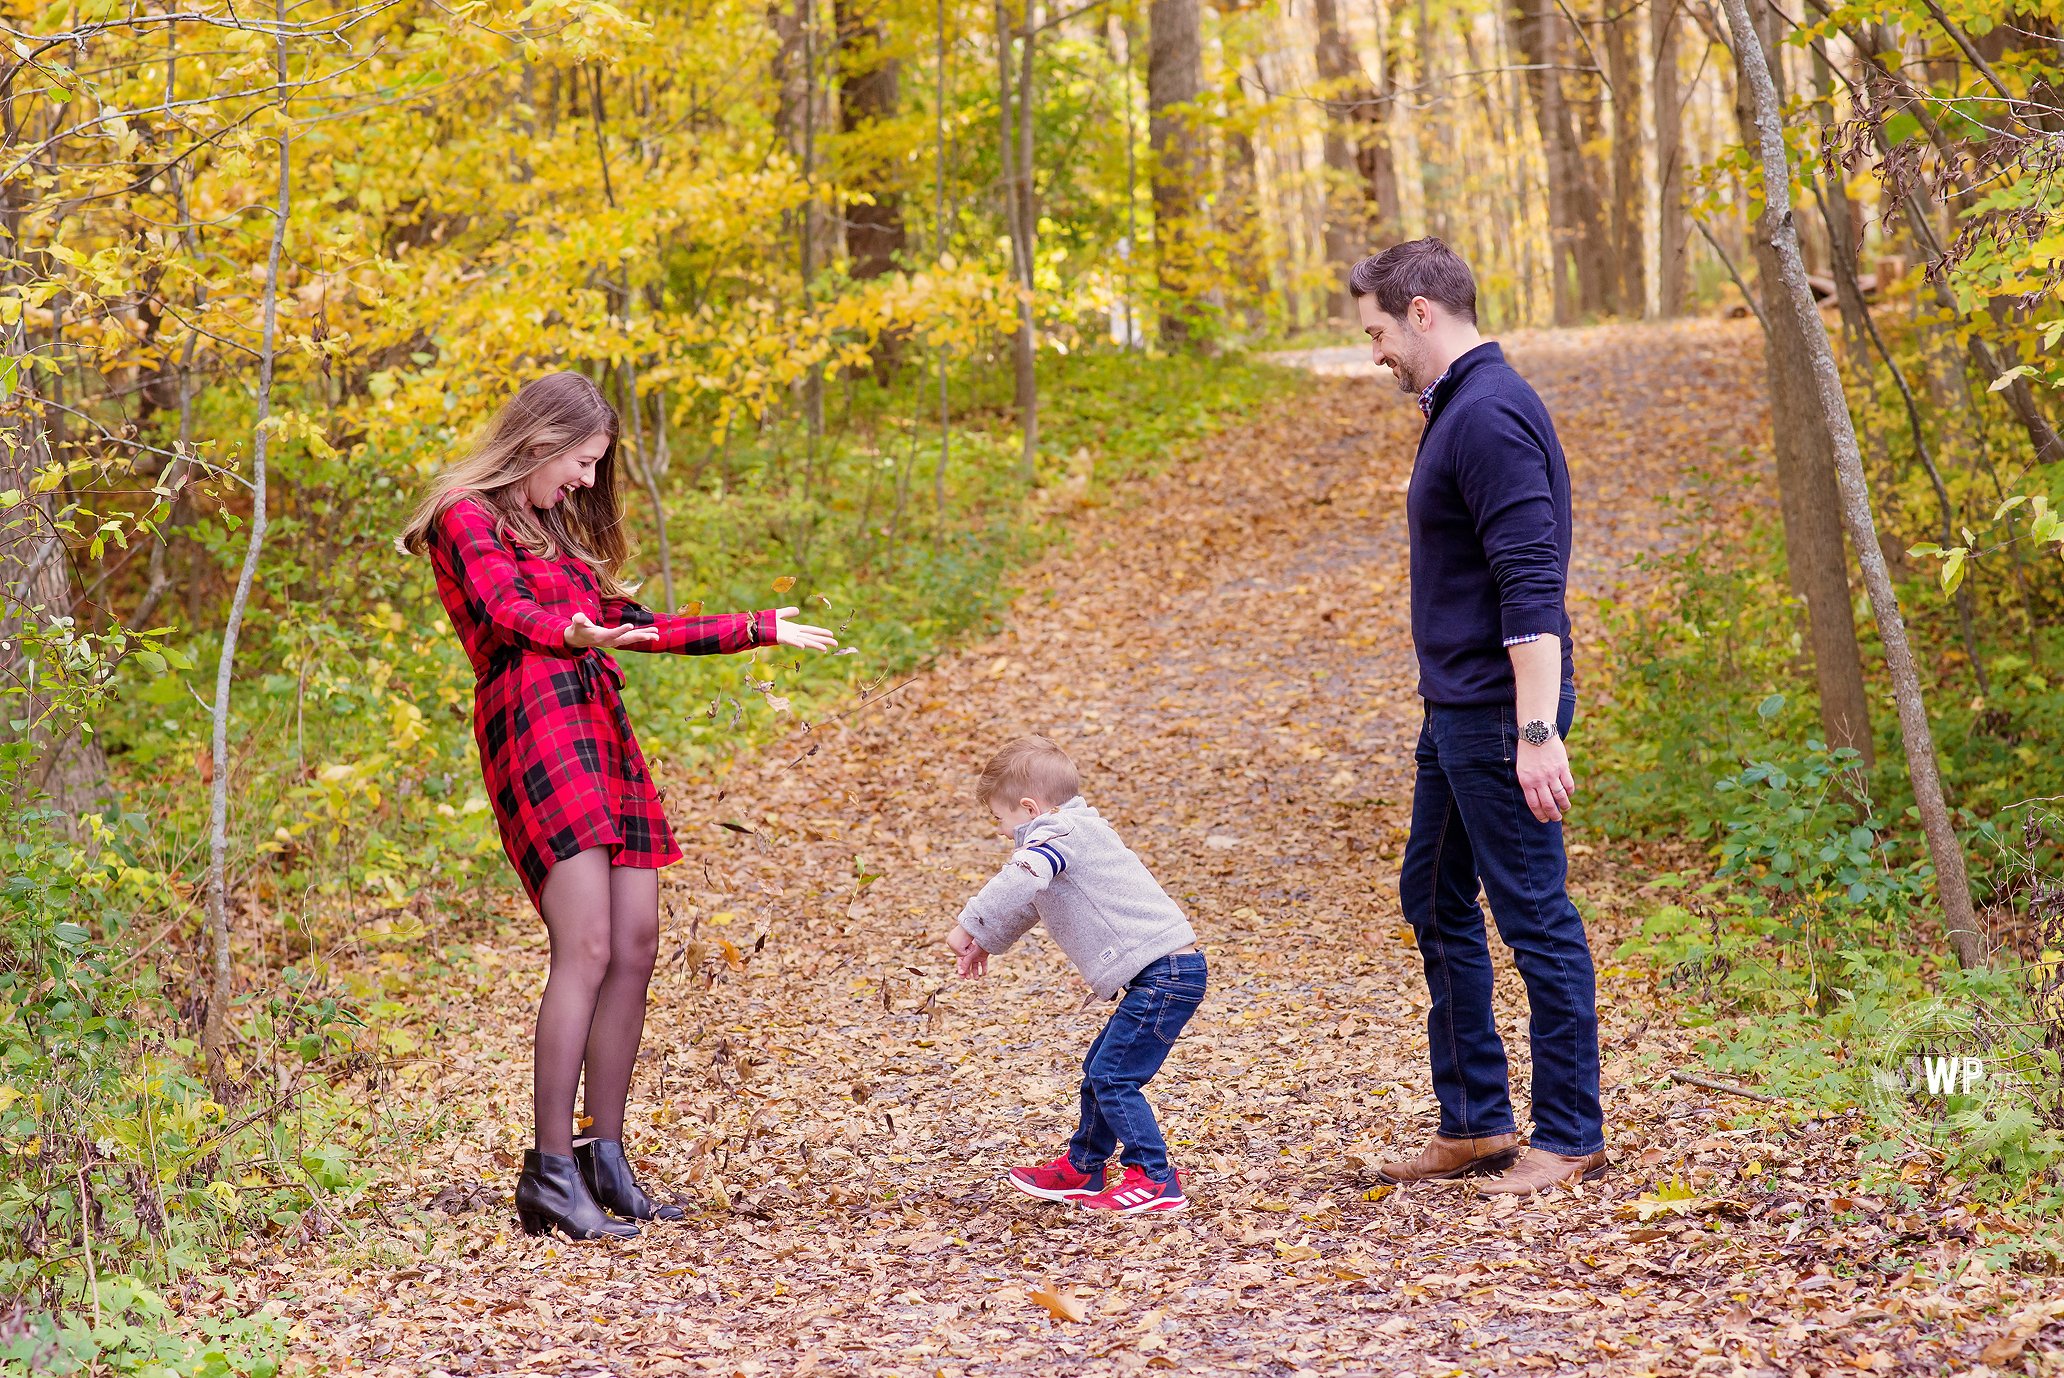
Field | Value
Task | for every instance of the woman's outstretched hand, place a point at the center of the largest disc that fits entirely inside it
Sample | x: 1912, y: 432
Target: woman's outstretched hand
x: 800, y: 635
x: 583, y: 633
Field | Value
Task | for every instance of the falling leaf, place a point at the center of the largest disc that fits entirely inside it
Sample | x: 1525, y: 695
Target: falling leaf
x: 784, y: 583
x: 692, y: 608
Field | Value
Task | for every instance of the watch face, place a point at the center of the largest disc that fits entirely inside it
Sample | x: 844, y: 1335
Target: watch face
x: 1538, y: 732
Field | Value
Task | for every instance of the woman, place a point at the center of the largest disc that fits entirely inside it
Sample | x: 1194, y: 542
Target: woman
x: 526, y: 534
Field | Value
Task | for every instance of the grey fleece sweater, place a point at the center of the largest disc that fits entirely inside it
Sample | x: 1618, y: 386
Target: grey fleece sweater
x: 1098, y: 901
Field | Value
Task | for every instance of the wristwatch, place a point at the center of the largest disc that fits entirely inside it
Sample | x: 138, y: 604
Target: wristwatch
x: 1538, y: 732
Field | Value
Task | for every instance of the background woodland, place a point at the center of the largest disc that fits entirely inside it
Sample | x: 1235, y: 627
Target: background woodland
x: 886, y: 291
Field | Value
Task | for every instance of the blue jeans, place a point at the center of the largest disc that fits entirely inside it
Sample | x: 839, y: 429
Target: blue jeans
x: 1471, y: 827
x: 1133, y: 1045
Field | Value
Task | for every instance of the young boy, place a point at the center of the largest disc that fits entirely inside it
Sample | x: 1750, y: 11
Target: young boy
x: 1104, y: 909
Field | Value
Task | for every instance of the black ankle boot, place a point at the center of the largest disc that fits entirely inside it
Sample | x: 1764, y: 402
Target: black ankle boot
x: 610, y: 1182
x: 551, y: 1195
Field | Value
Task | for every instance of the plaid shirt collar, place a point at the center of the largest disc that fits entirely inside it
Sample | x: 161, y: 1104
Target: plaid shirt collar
x: 1426, y: 397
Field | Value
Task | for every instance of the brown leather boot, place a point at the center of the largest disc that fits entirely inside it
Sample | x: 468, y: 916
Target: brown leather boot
x: 1538, y: 1169
x: 1447, y: 1158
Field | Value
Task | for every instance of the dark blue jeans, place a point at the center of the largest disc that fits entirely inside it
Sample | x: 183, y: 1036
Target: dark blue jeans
x: 1130, y: 1049
x: 1471, y: 828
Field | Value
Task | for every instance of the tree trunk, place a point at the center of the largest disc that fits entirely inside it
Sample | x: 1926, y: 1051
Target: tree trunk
x: 1015, y: 100
x: 215, y: 1034
x: 1175, y: 75
x: 1433, y: 136
x: 1673, y: 231
x: 646, y: 468
x: 1344, y: 98
x: 1377, y: 157
x: 1578, y: 254
x: 1629, y: 204
x: 35, y: 567
x: 1808, y: 497
x: 1240, y: 218
x: 1378, y: 164
x: 1952, y: 884
x: 35, y: 589
x: 868, y: 97
x: 1598, y: 277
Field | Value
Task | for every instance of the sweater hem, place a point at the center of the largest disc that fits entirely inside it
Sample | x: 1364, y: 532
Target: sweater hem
x: 1178, y: 939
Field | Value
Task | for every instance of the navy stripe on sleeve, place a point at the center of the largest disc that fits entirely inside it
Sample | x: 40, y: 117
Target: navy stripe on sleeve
x: 1053, y: 857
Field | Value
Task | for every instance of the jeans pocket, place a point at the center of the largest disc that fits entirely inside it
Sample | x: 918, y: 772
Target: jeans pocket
x: 1182, y: 986
x: 1173, y: 1007
x: 1476, y: 735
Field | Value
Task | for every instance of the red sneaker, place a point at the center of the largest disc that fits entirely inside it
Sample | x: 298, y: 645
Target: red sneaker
x: 1135, y: 1193
x: 1057, y: 1180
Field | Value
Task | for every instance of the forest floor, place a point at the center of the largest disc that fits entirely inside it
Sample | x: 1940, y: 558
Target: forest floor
x: 1226, y: 651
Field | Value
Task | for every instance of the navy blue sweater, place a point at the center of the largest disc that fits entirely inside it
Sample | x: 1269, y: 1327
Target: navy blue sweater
x: 1489, y: 514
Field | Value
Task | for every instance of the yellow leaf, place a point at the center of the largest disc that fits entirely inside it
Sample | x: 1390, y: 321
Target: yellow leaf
x: 784, y: 583
x: 692, y: 608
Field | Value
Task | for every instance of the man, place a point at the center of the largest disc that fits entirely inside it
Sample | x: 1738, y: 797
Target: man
x: 1489, y: 515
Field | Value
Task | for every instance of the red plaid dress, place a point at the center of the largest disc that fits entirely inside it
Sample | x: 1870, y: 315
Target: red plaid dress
x: 563, y: 771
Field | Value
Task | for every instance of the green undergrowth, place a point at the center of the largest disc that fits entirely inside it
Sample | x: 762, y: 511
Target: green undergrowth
x: 1799, y: 932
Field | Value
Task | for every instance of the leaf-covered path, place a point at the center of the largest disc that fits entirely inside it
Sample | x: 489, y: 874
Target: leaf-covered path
x: 1227, y: 654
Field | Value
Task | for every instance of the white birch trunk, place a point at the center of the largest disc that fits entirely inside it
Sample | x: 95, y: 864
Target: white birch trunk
x: 215, y: 1036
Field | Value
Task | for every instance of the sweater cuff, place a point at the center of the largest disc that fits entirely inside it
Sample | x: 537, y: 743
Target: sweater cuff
x: 1529, y: 620
x: 990, y: 942
x: 763, y: 628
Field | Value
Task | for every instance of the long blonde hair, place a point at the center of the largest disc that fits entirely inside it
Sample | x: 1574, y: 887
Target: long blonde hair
x: 547, y: 417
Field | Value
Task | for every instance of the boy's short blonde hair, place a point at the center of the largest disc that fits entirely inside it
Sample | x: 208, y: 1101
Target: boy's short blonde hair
x: 1030, y: 767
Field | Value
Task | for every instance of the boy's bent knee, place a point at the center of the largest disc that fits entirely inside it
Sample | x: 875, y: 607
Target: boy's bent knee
x: 1106, y: 1083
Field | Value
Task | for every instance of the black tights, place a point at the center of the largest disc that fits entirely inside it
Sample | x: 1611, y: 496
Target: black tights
x: 604, y: 922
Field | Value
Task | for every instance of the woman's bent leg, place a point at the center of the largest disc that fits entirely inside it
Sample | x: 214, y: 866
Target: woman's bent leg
x: 577, y: 907
x: 619, y: 1023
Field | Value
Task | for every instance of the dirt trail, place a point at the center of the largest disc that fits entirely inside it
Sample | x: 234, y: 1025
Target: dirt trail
x: 1227, y: 653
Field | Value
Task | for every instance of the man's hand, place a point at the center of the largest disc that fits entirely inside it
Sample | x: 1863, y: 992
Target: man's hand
x: 1543, y: 770
x: 969, y: 958
x: 1544, y: 775
x: 584, y: 633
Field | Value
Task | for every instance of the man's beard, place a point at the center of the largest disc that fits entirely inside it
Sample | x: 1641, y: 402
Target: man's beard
x: 1409, y: 365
